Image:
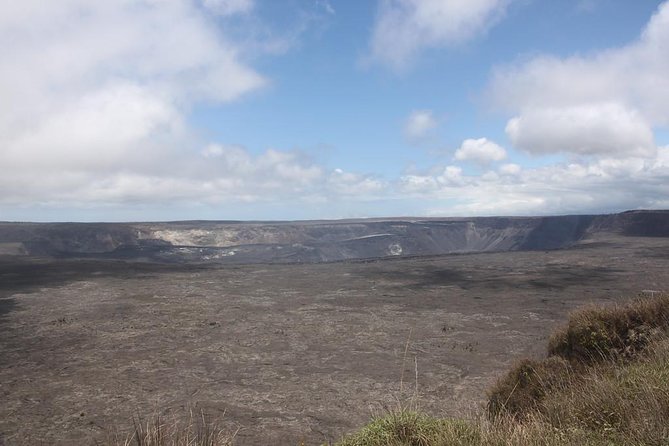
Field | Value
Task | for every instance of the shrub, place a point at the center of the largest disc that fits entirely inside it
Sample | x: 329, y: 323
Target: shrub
x: 596, y: 333
x: 593, y: 334
x: 409, y: 428
x: 605, y: 382
x: 624, y: 401
x: 522, y: 389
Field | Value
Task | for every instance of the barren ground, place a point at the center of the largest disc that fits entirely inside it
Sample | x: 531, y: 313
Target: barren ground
x: 285, y: 353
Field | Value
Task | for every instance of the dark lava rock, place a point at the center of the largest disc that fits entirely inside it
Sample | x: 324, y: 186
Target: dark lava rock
x: 317, y: 241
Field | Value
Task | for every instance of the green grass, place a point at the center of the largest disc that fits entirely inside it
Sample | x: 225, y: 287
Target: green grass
x: 407, y: 427
x: 521, y: 391
x: 597, y: 333
x: 604, y: 381
x: 628, y: 402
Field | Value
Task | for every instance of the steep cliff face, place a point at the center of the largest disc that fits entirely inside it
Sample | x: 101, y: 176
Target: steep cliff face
x: 557, y: 232
x: 70, y: 238
x: 250, y: 242
x: 634, y: 223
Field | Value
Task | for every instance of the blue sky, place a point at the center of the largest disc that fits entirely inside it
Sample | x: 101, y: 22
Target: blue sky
x: 309, y: 109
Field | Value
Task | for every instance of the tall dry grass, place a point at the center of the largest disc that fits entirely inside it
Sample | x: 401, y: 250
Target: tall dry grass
x: 597, y: 333
x: 605, y: 381
x: 195, y: 429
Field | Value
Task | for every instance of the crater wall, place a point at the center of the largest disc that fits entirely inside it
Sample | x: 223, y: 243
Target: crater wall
x: 317, y: 241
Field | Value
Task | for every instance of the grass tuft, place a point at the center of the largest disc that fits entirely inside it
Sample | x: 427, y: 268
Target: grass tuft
x: 597, y: 333
x: 605, y: 382
x: 193, y: 430
x: 522, y: 389
x: 409, y: 428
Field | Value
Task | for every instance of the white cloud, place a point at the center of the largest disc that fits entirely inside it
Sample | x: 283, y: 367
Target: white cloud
x: 101, y: 130
x: 419, y: 123
x: 403, y: 28
x: 95, y: 104
x: 60, y: 58
x: 270, y: 169
x: 447, y: 178
x: 451, y: 176
x: 229, y: 7
x: 636, y: 76
x: 602, y: 185
x: 482, y: 151
x: 510, y: 169
x: 595, y: 129
x: 351, y: 184
x: 418, y: 184
x: 95, y: 98
x: 603, y: 107
x: 220, y: 174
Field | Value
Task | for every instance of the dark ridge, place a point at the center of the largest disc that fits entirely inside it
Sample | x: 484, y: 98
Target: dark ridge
x: 557, y: 232
x: 317, y: 241
x: 646, y: 224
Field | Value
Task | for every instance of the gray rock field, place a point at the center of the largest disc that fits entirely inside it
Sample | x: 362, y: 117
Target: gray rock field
x: 101, y: 322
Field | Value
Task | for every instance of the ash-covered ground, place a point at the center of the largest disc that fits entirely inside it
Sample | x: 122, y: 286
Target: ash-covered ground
x: 286, y: 352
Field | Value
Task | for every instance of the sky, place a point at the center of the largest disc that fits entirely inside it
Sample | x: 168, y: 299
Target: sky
x: 147, y: 110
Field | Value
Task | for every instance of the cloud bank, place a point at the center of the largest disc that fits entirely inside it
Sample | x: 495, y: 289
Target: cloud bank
x: 603, y: 185
x: 95, y: 100
x: 590, y: 129
x: 606, y: 103
x: 601, y: 110
x: 480, y: 150
x: 104, y: 85
x: 97, y: 97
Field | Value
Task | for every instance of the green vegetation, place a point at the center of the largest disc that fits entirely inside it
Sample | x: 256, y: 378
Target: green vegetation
x: 407, y: 427
x: 605, y: 381
x: 599, y: 333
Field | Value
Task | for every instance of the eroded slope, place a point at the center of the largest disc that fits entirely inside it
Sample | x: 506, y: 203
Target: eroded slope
x: 316, y: 241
